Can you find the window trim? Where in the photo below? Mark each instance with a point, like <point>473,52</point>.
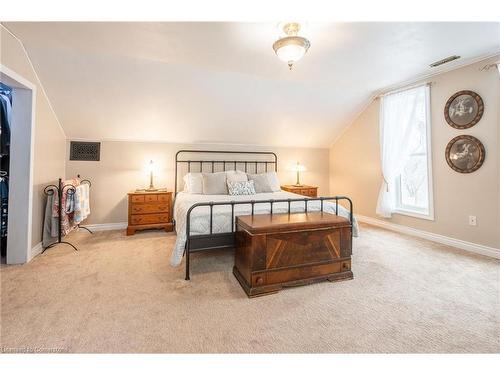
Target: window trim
<point>428,128</point>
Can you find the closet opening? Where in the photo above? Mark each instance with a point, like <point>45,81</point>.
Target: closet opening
<point>5,124</point>
<point>17,130</point>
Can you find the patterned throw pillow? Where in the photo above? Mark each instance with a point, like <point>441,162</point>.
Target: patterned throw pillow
<point>241,187</point>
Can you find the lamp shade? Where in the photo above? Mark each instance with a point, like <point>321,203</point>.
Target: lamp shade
<point>150,167</point>
<point>298,167</point>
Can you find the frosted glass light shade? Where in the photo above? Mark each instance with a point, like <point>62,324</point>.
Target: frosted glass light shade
<point>291,48</point>
<point>291,52</point>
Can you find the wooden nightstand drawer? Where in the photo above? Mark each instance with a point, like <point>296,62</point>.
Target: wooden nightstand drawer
<point>149,219</point>
<point>137,198</point>
<point>308,191</point>
<point>313,193</point>
<point>164,197</point>
<point>151,198</point>
<point>149,208</point>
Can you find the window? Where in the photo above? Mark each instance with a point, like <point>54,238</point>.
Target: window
<point>413,190</point>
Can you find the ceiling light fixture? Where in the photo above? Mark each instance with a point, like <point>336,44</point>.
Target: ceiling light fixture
<point>292,47</point>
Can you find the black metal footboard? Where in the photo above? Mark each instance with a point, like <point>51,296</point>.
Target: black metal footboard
<point>204,242</point>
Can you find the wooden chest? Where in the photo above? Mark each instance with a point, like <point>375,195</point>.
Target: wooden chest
<point>149,210</point>
<point>308,191</point>
<point>276,251</point>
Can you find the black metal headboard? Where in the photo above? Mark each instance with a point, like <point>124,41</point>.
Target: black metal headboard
<point>238,159</point>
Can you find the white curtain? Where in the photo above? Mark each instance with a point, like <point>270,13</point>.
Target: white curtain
<point>397,124</point>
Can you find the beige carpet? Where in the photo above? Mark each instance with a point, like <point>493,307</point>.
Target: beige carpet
<point>119,294</point>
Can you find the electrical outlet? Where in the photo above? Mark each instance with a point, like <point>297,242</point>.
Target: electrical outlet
<point>472,220</point>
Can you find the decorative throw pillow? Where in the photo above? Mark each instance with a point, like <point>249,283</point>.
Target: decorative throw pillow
<point>236,176</point>
<point>241,187</point>
<point>193,183</point>
<point>261,183</point>
<point>214,183</point>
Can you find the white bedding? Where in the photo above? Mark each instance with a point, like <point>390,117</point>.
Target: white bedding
<point>200,216</point>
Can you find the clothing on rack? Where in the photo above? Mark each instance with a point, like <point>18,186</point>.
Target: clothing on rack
<point>75,207</point>
<point>5,126</point>
<point>5,115</point>
<point>4,202</point>
<point>81,203</point>
<point>50,223</point>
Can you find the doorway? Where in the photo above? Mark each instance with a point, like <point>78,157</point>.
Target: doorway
<point>5,125</point>
<point>20,167</point>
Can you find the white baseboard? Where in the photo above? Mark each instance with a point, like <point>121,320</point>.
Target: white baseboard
<point>464,245</point>
<point>38,248</point>
<point>35,250</point>
<point>106,226</point>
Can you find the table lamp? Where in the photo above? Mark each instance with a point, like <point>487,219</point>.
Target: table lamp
<point>298,168</point>
<point>151,170</point>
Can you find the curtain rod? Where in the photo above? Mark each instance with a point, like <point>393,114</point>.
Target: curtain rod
<point>404,88</point>
<point>495,65</point>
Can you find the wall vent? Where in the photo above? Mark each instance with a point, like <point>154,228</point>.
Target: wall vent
<point>444,61</point>
<point>85,151</point>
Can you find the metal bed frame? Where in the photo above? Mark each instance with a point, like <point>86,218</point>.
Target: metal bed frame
<point>212,241</point>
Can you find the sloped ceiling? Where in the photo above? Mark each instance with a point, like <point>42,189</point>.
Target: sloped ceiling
<point>221,82</point>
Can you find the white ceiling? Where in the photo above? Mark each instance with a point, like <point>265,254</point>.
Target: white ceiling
<point>221,82</point>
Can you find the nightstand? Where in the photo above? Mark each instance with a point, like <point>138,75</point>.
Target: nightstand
<point>308,191</point>
<point>149,210</point>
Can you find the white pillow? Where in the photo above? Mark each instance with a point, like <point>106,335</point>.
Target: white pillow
<point>274,181</point>
<point>272,185</point>
<point>236,176</point>
<point>214,183</point>
<point>193,183</point>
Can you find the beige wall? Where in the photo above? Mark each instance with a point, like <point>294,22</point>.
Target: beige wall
<point>49,139</point>
<point>355,163</point>
<point>122,169</point>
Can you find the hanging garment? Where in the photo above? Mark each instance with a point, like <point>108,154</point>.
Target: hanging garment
<point>82,203</point>
<point>5,116</point>
<point>86,199</point>
<point>54,203</point>
<point>4,202</point>
<point>67,224</point>
<point>50,223</point>
<point>6,90</point>
<point>70,201</point>
<point>78,215</point>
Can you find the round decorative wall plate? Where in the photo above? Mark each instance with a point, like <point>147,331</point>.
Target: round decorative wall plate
<point>464,109</point>
<point>465,154</point>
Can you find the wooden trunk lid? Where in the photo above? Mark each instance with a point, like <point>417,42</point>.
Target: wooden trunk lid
<point>265,223</point>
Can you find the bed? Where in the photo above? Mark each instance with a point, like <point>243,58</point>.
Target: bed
<point>206,222</point>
